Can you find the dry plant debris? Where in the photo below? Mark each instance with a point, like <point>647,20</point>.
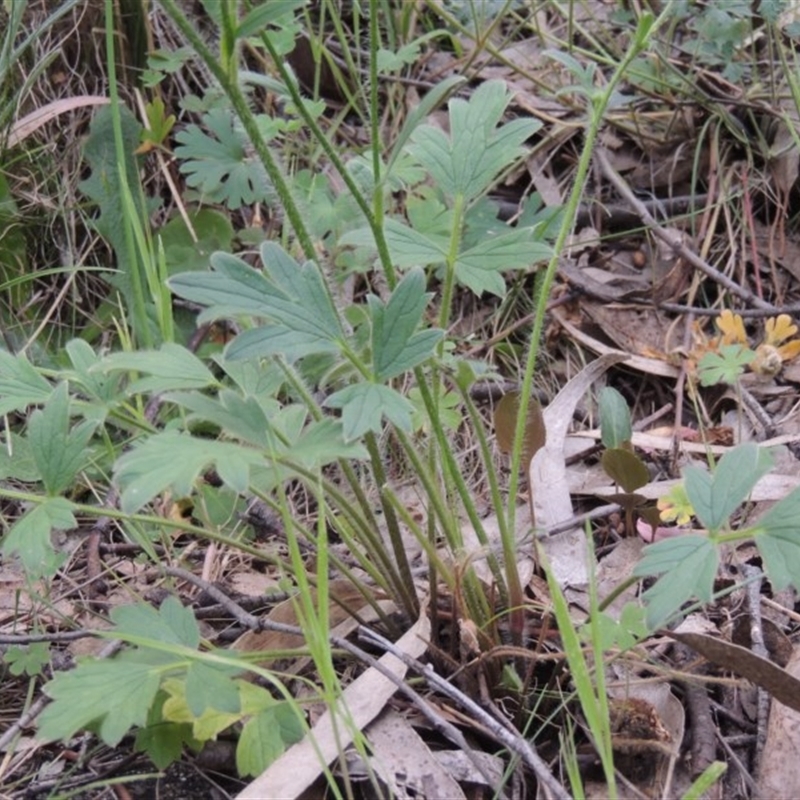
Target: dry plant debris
<point>678,287</point>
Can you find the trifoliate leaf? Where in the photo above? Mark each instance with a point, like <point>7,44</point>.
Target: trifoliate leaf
<point>687,565</point>
<point>778,541</point>
<point>716,496</point>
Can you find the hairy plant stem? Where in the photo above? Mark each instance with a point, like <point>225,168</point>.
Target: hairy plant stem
<point>405,582</point>
<point>599,103</point>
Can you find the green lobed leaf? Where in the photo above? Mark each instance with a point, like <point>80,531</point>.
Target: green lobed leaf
<point>164,741</point>
<point>716,496</point>
<point>242,417</point>
<point>478,268</point>
<point>171,623</point>
<point>778,540</point>
<point>726,366</point>
<point>687,565</point>
<point>171,367</point>
<point>16,459</point>
<point>20,384</point>
<point>408,247</point>
<point>395,346</point>
<point>268,13</point>
<point>234,287</point>
<point>117,693</point>
<point>468,160</point>
<point>309,307</point>
<point>295,300</point>
<point>84,362</point>
<point>270,340</point>
<point>265,736</point>
<point>30,660</point>
<point>29,537</point>
<point>365,404</point>
<point>59,453</point>
<point>172,460</point>
<point>211,687</point>
<point>220,163</point>
<point>615,418</point>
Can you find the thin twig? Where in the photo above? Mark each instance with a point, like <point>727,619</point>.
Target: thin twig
<point>674,241</point>
<point>248,620</point>
<point>746,313</point>
<point>504,733</point>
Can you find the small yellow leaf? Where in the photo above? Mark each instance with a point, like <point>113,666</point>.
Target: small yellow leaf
<point>732,327</point>
<point>789,350</point>
<point>675,505</point>
<point>779,329</point>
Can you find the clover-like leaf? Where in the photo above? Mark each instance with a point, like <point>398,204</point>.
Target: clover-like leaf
<point>687,565</point>
<point>726,366</point>
<point>716,496</point>
<point>778,540</point>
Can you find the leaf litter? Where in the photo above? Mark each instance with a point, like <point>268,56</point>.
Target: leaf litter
<point>640,341</point>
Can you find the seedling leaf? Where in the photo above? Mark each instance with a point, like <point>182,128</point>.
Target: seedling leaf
<point>615,418</point>
<point>625,468</point>
<point>505,425</point>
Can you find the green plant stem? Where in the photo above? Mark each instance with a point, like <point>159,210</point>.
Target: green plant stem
<point>405,586</point>
<point>336,160</point>
<point>141,324</point>
<point>450,265</point>
<point>480,609</point>
<point>248,120</point>
<point>599,104</point>
<point>509,553</point>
